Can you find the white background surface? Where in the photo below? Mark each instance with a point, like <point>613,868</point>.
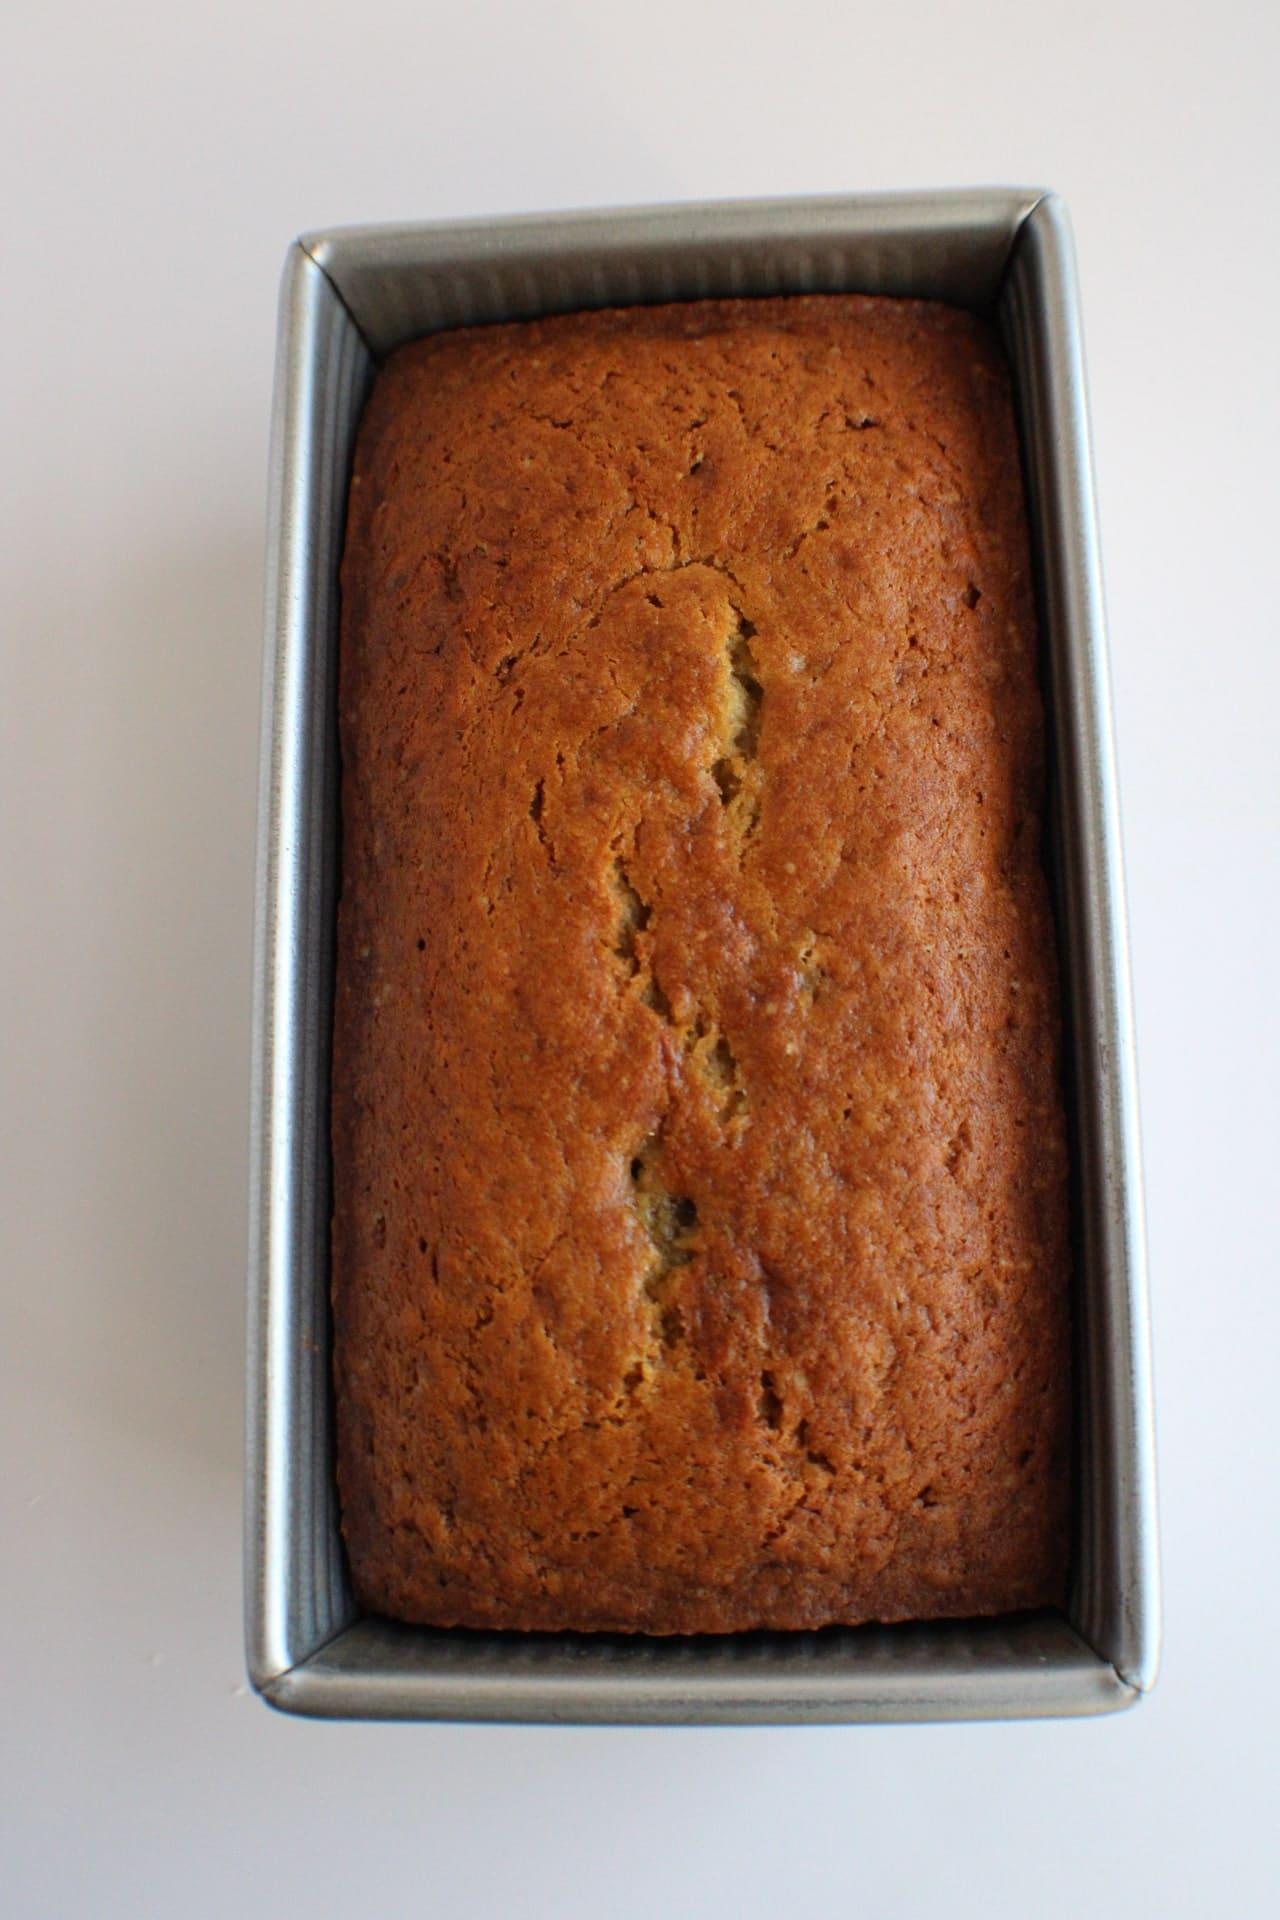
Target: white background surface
<point>157,158</point>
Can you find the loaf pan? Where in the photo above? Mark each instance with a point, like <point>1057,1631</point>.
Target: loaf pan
<point>349,298</point>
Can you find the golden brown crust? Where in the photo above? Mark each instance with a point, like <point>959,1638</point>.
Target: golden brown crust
<point>699,1237</point>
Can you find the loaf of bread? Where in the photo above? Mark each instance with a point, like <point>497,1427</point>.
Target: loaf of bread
<point>699,1245</point>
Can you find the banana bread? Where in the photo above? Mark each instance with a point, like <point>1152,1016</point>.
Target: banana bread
<point>699,1243</point>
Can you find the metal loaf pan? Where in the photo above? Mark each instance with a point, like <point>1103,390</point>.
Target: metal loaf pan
<point>348,298</point>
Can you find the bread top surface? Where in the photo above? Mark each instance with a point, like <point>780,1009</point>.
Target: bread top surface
<point>700,1255</point>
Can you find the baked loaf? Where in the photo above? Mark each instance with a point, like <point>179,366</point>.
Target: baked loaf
<point>700,1255</point>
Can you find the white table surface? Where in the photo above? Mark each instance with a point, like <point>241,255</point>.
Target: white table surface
<point>157,159</point>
